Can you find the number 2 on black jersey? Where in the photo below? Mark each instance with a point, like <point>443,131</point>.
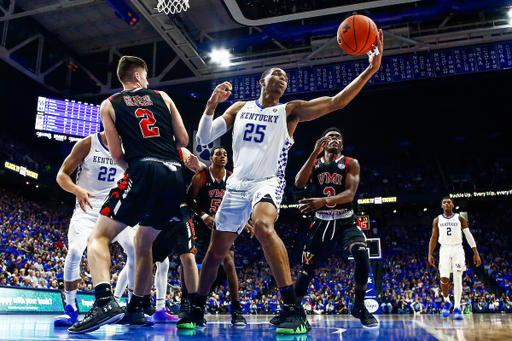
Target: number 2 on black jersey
<point>147,123</point>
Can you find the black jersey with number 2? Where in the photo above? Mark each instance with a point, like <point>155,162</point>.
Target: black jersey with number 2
<point>143,122</point>
<point>329,179</point>
<point>210,195</point>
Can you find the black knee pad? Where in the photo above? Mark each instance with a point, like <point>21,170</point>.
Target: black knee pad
<point>362,268</point>
<point>301,286</point>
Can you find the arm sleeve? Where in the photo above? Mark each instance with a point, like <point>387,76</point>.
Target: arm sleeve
<point>469,237</point>
<point>210,129</point>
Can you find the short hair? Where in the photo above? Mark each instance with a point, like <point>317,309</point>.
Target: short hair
<point>266,73</point>
<point>127,66</point>
<point>447,198</point>
<point>212,152</point>
<point>328,130</point>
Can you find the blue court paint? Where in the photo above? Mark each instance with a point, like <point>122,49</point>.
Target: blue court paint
<point>40,327</point>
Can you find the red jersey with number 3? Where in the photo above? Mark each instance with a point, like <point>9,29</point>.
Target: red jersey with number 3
<point>143,122</point>
<point>329,179</point>
<point>210,195</point>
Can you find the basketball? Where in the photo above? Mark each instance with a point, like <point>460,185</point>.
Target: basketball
<point>357,34</point>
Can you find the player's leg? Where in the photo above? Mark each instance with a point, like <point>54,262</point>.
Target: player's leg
<point>126,276</point>
<point>312,257</point>
<point>445,268</point>
<point>161,315</point>
<point>122,283</point>
<point>220,243</point>
<point>98,256</point>
<point>361,272</point>
<point>237,318</point>
<point>264,215</point>
<point>189,279</point>
<point>143,267</point>
<point>353,241</point>
<point>76,246</point>
<point>458,266</point>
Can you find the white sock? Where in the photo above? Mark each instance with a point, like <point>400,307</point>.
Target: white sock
<point>457,288</point>
<point>160,303</point>
<point>162,270</point>
<point>71,298</point>
<point>447,298</point>
<point>130,294</point>
<point>122,282</point>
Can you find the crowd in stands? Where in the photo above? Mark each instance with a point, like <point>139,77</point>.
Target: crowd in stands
<point>33,248</point>
<point>20,154</point>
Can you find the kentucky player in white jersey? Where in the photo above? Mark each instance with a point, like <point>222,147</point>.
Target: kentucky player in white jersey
<point>448,228</point>
<point>97,174</point>
<point>262,136</point>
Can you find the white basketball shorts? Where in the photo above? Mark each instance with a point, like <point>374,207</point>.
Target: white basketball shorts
<point>451,258</point>
<point>240,198</point>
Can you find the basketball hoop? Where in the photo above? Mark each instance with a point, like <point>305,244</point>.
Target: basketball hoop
<point>172,6</point>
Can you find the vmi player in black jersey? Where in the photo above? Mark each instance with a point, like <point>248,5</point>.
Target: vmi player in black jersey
<point>204,197</point>
<point>149,194</point>
<point>335,178</point>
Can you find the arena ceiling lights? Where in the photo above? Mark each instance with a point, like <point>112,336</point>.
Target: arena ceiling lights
<point>242,10</point>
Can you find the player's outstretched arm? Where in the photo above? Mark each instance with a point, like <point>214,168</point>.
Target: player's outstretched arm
<point>433,242</point>
<point>78,154</point>
<point>351,184</point>
<point>210,129</point>
<point>180,133</point>
<point>191,161</point>
<point>310,110</point>
<point>108,117</point>
<point>470,239</point>
<point>303,176</point>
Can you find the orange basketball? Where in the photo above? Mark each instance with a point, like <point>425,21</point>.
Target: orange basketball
<point>357,34</point>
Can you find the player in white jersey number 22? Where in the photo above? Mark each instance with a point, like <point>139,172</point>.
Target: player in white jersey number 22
<point>262,136</point>
<point>96,175</point>
<point>448,228</point>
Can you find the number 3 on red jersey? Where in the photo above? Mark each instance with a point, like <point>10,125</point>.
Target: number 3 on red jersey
<point>147,123</point>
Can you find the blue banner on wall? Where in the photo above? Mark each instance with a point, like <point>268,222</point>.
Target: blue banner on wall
<point>371,301</point>
<point>422,65</point>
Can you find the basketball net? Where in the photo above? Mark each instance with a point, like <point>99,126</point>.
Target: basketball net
<point>172,6</point>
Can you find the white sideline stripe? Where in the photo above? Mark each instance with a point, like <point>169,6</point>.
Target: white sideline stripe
<point>434,332</point>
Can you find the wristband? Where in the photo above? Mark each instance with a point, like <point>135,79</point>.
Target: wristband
<point>204,216</point>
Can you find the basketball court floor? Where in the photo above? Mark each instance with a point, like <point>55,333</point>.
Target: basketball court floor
<point>487,327</point>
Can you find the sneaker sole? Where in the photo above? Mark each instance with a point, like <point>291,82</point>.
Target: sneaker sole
<point>239,324</point>
<point>113,319</point>
<point>298,331</point>
<point>372,326</point>
<point>445,314</point>
<point>190,325</point>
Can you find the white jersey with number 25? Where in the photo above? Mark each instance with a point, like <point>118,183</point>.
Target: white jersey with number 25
<point>450,230</point>
<point>260,141</point>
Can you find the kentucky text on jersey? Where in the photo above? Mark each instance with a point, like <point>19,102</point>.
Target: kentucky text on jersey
<point>103,160</point>
<point>330,178</point>
<point>137,101</point>
<point>448,224</point>
<point>259,117</point>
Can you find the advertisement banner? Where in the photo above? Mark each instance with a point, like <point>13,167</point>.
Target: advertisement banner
<point>30,300</point>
